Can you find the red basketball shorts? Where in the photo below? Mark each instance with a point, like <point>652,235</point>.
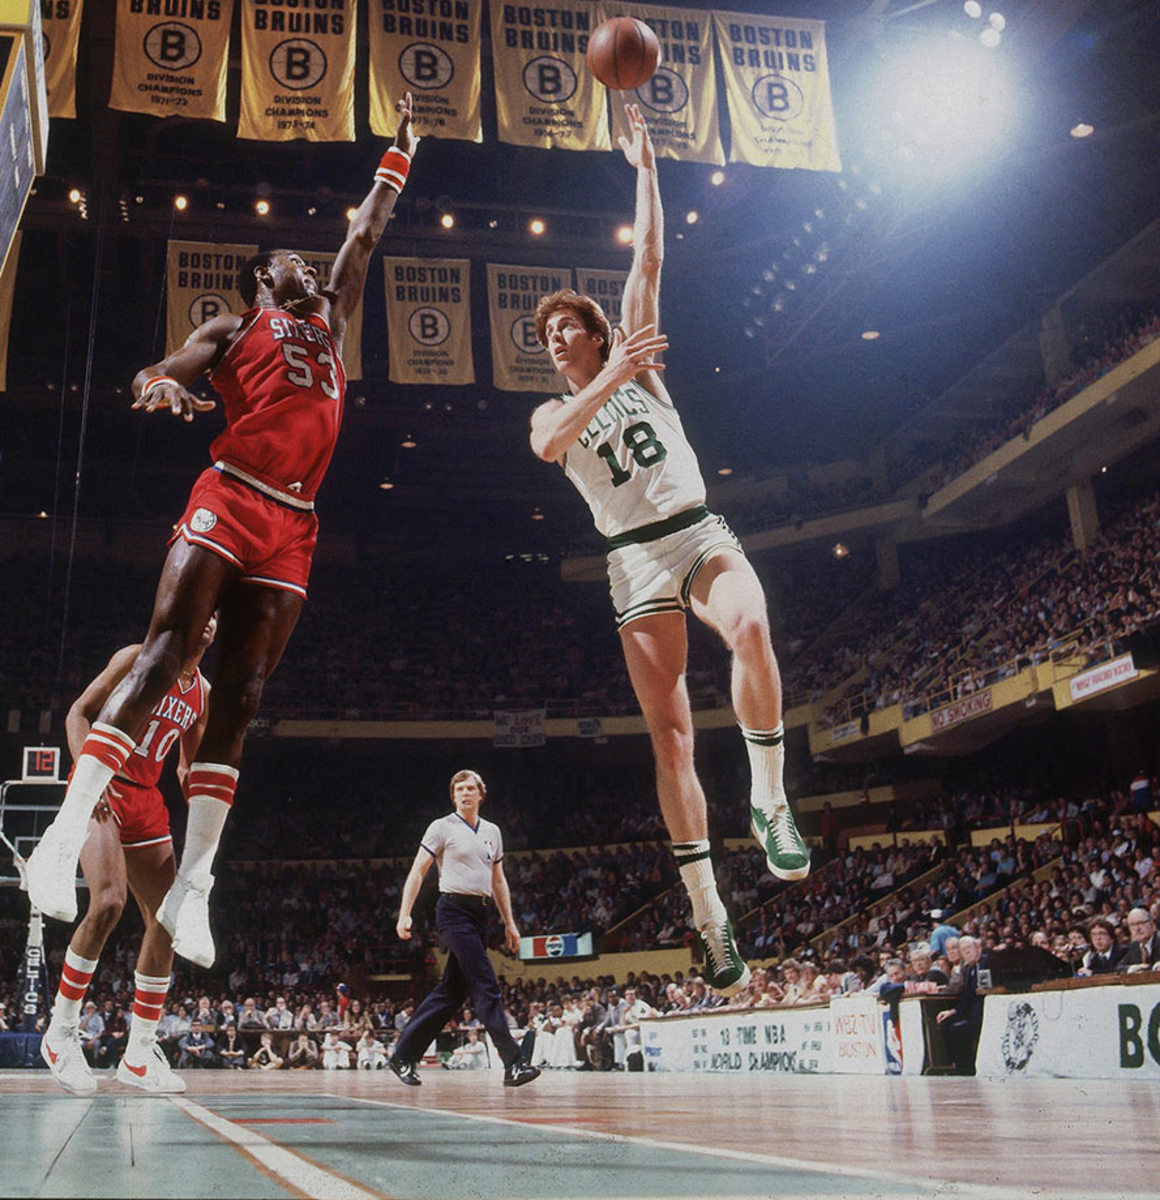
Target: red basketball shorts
<point>271,543</point>
<point>139,811</point>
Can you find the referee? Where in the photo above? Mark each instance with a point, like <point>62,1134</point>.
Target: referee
<point>469,852</point>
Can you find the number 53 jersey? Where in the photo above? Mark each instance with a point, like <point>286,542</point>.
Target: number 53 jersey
<point>282,386</point>
<point>633,464</point>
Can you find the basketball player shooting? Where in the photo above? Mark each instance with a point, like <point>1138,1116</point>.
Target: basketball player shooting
<point>243,545</point>
<point>621,443</point>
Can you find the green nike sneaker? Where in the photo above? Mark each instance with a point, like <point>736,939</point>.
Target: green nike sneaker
<point>785,852</point>
<point>725,970</point>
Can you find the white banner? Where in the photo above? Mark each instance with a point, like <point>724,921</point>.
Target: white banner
<point>605,287</point>
<point>515,730</point>
<point>785,1041</point>
<point>859,1034</point>
<point>1108,1032</point>
<point>1100,679</point>
<point>518,362</point>
<point>201,283</point>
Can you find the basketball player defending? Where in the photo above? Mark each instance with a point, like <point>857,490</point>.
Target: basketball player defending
<point>128,848</point>
<point>619,439</point>
<point>243,546</point>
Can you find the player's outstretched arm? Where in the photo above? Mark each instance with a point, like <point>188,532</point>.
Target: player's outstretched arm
<point>165,384</point>
<point>642,289</point>
<point>367,226</point>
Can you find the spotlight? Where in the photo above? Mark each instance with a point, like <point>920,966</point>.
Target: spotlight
<point>692,216</point>
<point>717,178</point>
<point>841,550</point>
<point>351,213</point>
<point>386,485</point>
<point>447,220</point>
<point>74,195</point>
<point>312,211</point>
<point>870,335</point>
<point>1082,130</point>
<point>181,203</point>
<point>537,515</point>
<point>408,443</point>
<point>493,224</point>
<point>536,227</point>
<point>624,235</point>
<point>724,471</point>
<point>262,207</point>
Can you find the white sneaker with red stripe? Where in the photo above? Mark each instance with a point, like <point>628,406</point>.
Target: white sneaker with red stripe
<point>61,1049</point>
<point>184,914</point>
<point>51,873</point>
<point>153,1075</point>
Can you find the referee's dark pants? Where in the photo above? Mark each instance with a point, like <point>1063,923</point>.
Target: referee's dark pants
<point>462,923</point>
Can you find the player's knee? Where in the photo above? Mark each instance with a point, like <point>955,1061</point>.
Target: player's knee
<point>749,637</point>
<point>673,747</point>
<point>105,908</point>
<point>242,698</point>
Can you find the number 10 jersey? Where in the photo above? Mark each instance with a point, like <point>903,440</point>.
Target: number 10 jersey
<point>633,464</point>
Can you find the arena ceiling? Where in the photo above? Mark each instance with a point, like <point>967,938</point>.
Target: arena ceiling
<point>944,256</point>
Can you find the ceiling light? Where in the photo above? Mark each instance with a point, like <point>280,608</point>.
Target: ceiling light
<point>624,235</point>
<point>386,485</point>
<point>537,515</point>
<point>717,178</point>
<point>973,9</point>
<point>408,443</point>
<point>536,227</point>
<point>870,335</point>
<point>447,220</point>
<point>262,207</point>
<point>181,203</point>
<point>840,550</point>
<point>1082,129</point>
<point>74,195</point>
<point>692,216</point>
<point>724,470</point>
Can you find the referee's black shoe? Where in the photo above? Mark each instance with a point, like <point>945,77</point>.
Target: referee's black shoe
<point>407,1072</point>
<point>519,1073</point>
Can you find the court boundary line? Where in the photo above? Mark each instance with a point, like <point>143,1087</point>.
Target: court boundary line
<point>300,1174</point>
<point>960,1189</point>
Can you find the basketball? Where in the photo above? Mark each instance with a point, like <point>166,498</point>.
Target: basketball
<point>623,53</point>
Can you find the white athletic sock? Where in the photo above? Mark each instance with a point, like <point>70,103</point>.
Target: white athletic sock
<point>766,750</point>
<point>148,1004</point>
<point>696,868</point>
<point>211,794</point>
<point>75,977</point>
<point>103,754</point>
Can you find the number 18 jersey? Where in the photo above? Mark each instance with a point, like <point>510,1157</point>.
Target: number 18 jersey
<point>633,464</point>
<point>282,386</point>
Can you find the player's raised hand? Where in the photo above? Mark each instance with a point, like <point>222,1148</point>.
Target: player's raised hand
<point>163,392</point>
<point>634,352</point>
<point>406,138</point>
<point>638,148</point>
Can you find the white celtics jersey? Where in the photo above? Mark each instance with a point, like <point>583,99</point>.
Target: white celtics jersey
<point>633,464</point>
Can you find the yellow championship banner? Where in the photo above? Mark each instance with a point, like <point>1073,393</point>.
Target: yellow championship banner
<point>518,362</point>
<point>545,96</point>
<point>429,48</point>
<point>298,70</point>
<point>61,23</point>
<point>679,102</point>
<point>605,287</point>
<point>323,262</point>
<point>429,319</point>
<point>201,283</point>
<point>777,84</point>
<point>7,292</point>
<point>170,60</point>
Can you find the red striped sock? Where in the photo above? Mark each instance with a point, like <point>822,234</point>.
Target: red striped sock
<point>148,1005</point>
<point>102,755</point>
<point>210,789</point>
<point>108,745</point>
<point>75,977</point>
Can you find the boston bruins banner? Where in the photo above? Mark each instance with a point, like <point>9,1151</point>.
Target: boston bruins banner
<point>518,362</point>
<point>61,25</point>
<point>298,70</point>
<point>679,102</point>
<point>545,95</point>
<point>201,282</point>
<point>172,67</point>
<point>605,287</point>
<point>7,291</point>
<point>323,263</point>
<point>777,83</point>
<point>429,48</point>
<point>429,319</point>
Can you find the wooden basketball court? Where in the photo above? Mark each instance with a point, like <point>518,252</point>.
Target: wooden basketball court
<point>352,1135</point>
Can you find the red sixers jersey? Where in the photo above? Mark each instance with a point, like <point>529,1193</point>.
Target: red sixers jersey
<point>282,385</point>
<point>176,714</point>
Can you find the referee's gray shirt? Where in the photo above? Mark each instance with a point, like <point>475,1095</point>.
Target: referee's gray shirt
<point>465,854</point>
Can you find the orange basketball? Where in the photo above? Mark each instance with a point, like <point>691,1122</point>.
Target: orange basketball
<point>623,53</point>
